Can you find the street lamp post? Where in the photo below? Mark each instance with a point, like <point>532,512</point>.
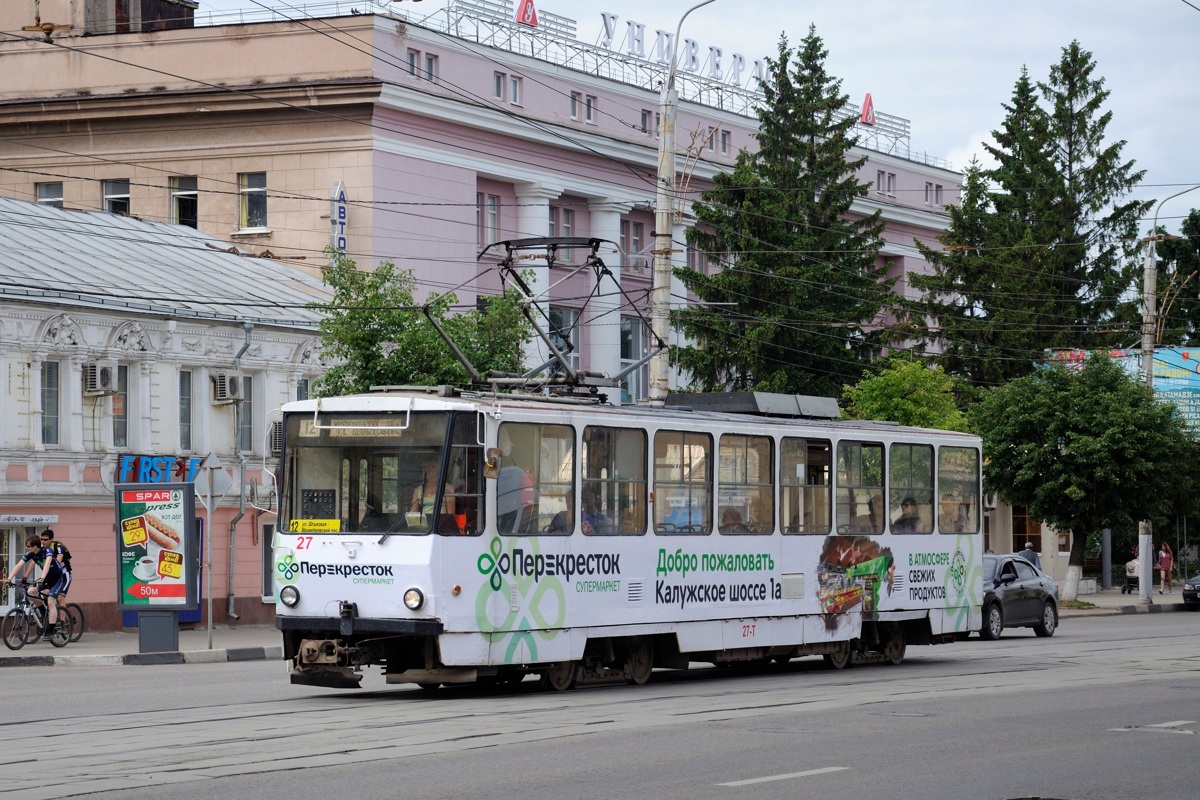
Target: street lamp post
<point>664,221</point>
<point>1149,325</point>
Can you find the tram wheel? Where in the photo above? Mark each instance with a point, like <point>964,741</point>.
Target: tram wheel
<point>839,658</point>
<point>894,650</point>
<point>559,676</point>
<point>640,662</point>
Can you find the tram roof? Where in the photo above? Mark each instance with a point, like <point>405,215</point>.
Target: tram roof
<point>383,400</point>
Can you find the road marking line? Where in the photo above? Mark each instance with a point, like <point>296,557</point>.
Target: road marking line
<point>1171,724</point>
<point>789,776</point>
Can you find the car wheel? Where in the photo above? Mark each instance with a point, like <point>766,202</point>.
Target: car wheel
<point>993,622</point>
<point>1049,621</point>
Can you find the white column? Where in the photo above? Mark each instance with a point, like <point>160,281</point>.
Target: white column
<point>603,317</point>
<point>71,404</point>
<point>533,219</point>
<point>139,426</point>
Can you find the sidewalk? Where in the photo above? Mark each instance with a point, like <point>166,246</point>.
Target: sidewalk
<point>262,642</point>
<point>241,643</point>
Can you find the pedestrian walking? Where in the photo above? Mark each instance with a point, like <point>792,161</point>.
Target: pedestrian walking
<point>1166,561</point>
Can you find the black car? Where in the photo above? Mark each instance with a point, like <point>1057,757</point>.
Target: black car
<point>1016,594</point>
<point>1191,592</point>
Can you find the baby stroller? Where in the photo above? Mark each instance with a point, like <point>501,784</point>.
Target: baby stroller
<point>1131,577</point>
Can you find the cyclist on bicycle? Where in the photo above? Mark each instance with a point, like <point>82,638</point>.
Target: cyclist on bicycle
<point>58,552</point>
<point>55,579</point>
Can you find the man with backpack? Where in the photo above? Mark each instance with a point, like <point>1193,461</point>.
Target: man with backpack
<point>56,576</point>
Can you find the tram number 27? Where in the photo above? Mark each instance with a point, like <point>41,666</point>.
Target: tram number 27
<point>747,631</point>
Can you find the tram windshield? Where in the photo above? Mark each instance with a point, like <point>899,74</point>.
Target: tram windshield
<point>398,473</point>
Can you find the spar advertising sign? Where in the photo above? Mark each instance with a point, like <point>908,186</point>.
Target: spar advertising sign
<point>157,547</point>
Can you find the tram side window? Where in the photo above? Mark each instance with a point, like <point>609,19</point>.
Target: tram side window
<point>682,483</point>
<point>958,488</point>
<point>805,485</point>
<point>464,476</point>
<point>745,489</point>
<point>614,481</point>
<point>860,508</point>
<point>537,477</point>
<point>910,488</point>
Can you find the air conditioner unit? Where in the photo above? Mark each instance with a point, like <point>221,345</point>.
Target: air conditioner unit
<point>99,378</point>
<point>276,443</point>
<point>228,388</point>
<point>989,500</point>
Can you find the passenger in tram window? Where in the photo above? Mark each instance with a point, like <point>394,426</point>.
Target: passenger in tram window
<point>586,523</point>
<point>600,521</point>
<point>908,521</point>
<point>731,521</point>
<point>954,516</point>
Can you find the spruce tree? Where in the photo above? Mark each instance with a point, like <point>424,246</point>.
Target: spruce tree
<point>799,292</point>
<point>1049,256</point>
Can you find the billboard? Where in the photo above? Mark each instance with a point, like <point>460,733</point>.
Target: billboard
<point>1176,376</point>
<point>157,547</point>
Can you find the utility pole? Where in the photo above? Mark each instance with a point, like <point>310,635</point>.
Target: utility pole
<point>1149,325</point>
<point>664,222</point>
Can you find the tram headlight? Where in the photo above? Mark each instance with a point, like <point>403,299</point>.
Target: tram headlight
<point>289,596</point>
<point>414,599</point>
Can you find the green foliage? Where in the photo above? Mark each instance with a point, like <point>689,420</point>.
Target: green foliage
<point>376,335</point>
<point>909,393</point>
<point>1086,450</point>
<point>1042,253</point>
<point>799,284</point>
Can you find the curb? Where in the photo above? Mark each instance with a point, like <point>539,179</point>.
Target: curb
<point>149,659</point>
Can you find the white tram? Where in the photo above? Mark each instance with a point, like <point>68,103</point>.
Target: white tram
<point>451,537</point>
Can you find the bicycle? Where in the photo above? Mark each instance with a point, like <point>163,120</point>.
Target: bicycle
<point>73,610</point>
<point>27,622</point>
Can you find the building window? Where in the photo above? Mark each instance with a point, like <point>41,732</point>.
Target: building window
<point>562,223</point>
<point>724,143</point>
<point>51,391</point>
<point>564,332</point>
<point>252,200</point>
<point>120,408</point>
<point>631,244</point>
<point>431,67</point>
<point>647,120</point>
<point>116,196</point>
<point>576,104</point>
<point>589,109</point>
<point>633,348</point>
<point>302,389</point>
<point>711,143</point>
<point>414,61</point>
<point>487,218</point>
<point>928,194</point>
<point>880,181</point>
<point>891,184</point>
<point>514,90</point>
<point>185,202</point>
<point>246,416</point>
<point>49,194</point>
<point>499,80</point>
<point>657,123</point>
<point>937,194</point>
<point>1025,529</point>
<point>185,410</point>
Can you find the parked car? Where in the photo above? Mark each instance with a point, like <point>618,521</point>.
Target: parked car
<point>1191,592</point>
<point>1016,594</point>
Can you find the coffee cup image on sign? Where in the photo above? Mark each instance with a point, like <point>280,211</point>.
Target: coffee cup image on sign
<point>146,569</point>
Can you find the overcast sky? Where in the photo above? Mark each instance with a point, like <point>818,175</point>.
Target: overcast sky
<point>948,65</point>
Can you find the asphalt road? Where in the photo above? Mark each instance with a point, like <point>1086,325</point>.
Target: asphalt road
<point>1108,708</point>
